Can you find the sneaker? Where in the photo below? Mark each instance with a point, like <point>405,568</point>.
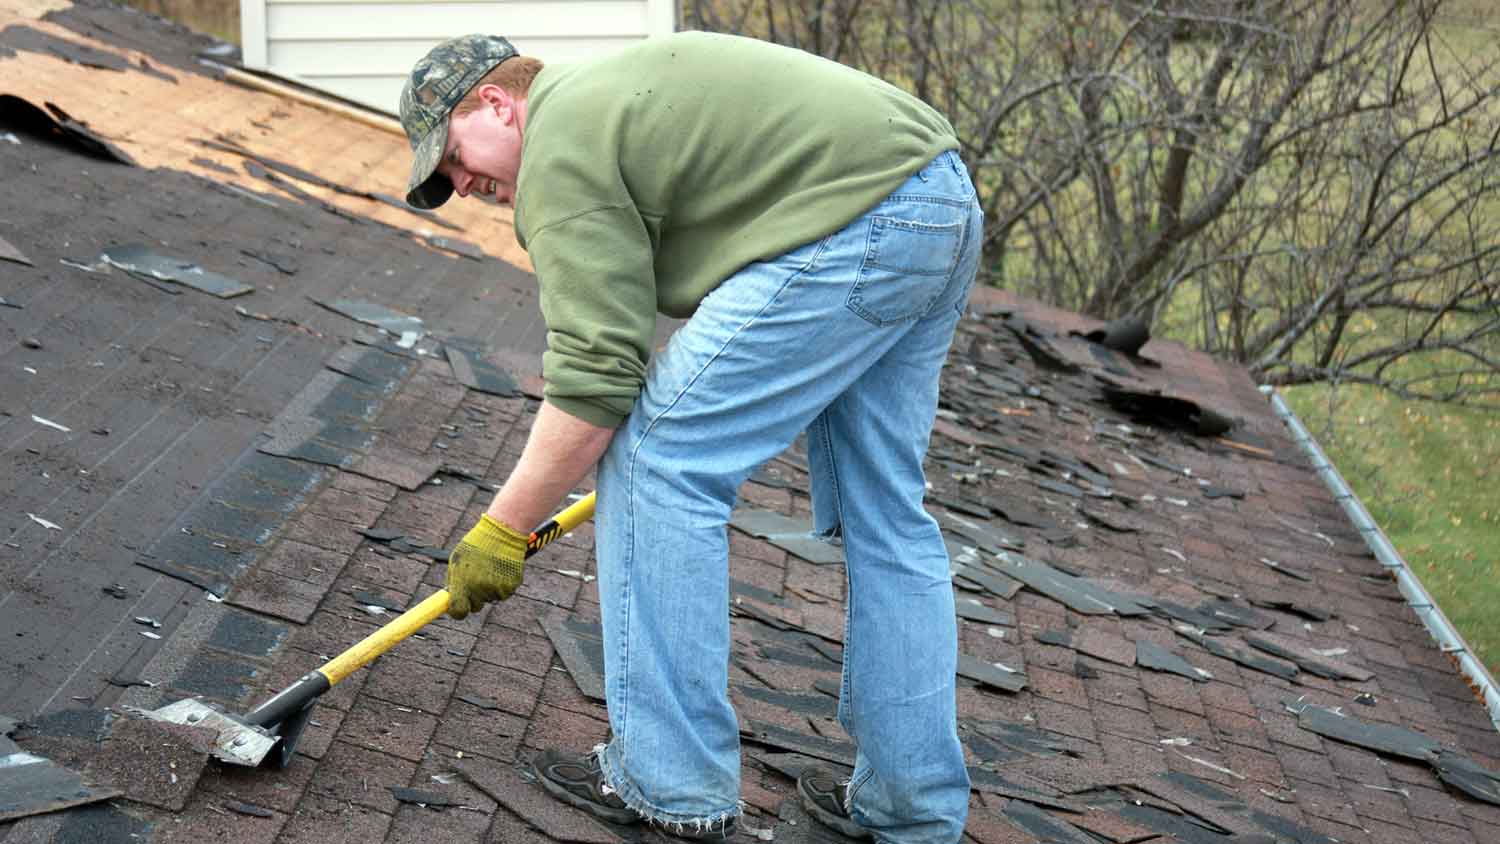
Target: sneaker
<point>578,780</point>
<point>823,798</point>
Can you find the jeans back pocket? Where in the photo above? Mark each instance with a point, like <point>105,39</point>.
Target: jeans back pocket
<point>907,266</point>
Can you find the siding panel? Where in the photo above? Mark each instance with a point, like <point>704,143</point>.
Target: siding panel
<point>363,49</point>
<point>335,21</point>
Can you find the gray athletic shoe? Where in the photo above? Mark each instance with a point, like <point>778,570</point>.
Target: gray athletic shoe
<point>577,779</point>
<point>823,798</point>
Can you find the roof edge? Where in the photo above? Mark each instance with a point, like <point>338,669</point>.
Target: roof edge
<point>1449,640</point>
<point>291,89</point>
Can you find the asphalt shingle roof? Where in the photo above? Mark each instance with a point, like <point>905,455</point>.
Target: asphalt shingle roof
<point>1155,620</point>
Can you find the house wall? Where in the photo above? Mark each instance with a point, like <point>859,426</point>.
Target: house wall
<point>363,49</point>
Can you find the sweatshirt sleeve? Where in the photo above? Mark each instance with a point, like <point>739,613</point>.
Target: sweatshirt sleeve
<point>598,296</point>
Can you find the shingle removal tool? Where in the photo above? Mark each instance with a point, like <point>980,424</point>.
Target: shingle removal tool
<point>277,724</point>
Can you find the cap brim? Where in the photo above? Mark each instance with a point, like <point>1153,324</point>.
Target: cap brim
<point>428,188</point>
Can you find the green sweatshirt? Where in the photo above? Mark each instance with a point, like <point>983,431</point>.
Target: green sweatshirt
<point>652,174</point>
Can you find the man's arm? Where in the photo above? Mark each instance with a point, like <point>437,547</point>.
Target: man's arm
<point>559,452</point>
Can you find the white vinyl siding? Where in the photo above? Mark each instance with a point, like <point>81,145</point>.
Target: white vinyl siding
<point>362,50</point>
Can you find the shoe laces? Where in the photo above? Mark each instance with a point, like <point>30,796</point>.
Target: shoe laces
<point>596,765</point>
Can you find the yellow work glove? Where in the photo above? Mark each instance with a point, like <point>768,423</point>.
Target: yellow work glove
<point>486,566</point>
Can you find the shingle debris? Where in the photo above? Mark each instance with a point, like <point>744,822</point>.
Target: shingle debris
<point>144,263</point>
<point>1452,767</point>
<point>58,127</point>
<point>794,536</point>
<point>8,252</point>
<point>580,644</point>
<point>474,371</point>
<point>400,325</point>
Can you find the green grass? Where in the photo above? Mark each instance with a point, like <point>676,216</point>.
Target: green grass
<point>1430,476</point>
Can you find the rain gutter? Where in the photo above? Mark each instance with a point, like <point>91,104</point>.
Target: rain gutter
<point>1417,597</point>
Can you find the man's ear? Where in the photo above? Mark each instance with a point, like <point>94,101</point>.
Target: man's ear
<point>497,98</point>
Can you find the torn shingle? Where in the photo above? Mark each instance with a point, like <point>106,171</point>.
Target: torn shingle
<point>989,782</point>
<point>964,506</point>
<point>1290,571</point>
<point>1168,411</point>
<point>1453,768</point>
<point>1078,594</point>
<point>34,785</point>
<point>811,706</point>
<point>1463,774</point>
<point>818,747</point>
<point>299,438</point>
<point>1103,645</point>
<point>788,764</point>
<point>57,128</point>
<point>1240,656</point>
<point>1186,615</point>
<point>984,535</point>
<point>749,609</point>
<point>1306,660</point>
<point>142,262</point>
<point>794,536</point>
<point>1105,521</point>
<point>429,799</point>
<point>1027,740</point>
<point>8,252</point>
<point>770,476</point>
<point>1203,800</point>
<point>1044,825</point>
<point>370,313</point>
<point>1295,606</point>
<point>396,464</point>
<point>1125,335</point>
<point>474,371</point>
<point>990,674</point>
<point>279,263</point>
<point>1237,615</point>
<point>456,246</point>
<point>1158,658</point>
<point>581,647</point>
<point>1385,738</point>
<point>1038,345</point>
<point>975,610</point>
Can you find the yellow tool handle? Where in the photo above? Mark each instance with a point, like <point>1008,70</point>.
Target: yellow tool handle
<point>436,604</point>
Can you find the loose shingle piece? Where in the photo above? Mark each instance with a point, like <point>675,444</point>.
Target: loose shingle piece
<point>34,785</point>
<point>9,252</point>
<point>794,536</point>
<point>581,646</point>
<point>992,674</point>
<point>143,262</point>
<point>1158,658</point>
<point>1077,593</point>
<point>1453,768</point>
<point>474,371</point>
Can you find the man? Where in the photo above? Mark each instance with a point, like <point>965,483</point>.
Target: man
<point>820,233</point>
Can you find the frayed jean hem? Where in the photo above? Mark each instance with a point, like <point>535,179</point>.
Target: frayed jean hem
<point>616,779</point>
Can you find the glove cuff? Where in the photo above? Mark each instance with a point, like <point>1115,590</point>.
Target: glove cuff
<point>495,539</point>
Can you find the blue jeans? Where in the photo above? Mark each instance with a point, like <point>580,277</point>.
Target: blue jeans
<point>844,338</point>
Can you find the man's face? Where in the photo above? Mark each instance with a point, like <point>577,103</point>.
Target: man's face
<point>483,155</point>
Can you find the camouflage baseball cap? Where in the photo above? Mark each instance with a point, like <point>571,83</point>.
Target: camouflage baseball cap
<point>437,83</point>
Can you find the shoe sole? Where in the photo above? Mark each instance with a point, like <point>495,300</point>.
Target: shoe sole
<point>838,823</point>
<point>619,816</point>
